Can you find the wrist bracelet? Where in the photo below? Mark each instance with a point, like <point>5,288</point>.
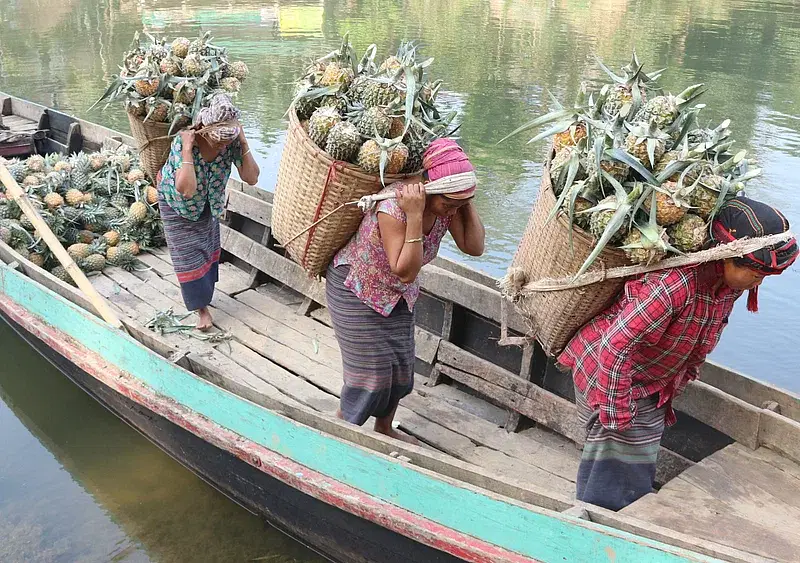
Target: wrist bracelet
<point>187,162</point>
<point>413,240</point>
<point>245,154</point>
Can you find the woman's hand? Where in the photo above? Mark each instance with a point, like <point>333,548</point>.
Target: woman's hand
<point>411,199</point>
<point>467,230</point>
<point>248,171</point>
<point>187,139</point>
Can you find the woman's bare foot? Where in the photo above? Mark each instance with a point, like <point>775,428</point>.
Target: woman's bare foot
<point>392,433</point>
<point>204,323</point>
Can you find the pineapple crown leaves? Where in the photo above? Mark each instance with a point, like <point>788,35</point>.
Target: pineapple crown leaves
<point>633,74</point>
<point>367,63</point>
<point>651,135</point>
<point>653,235</point>
<point>578,189</point>
<point>622,208</point>
<point>571,172</point>
<point>562,117</point>
<point>345,54</point>
<point>386,146</point>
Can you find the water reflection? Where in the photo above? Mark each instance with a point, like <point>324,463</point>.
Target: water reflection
<point>76,484</point>
<point>498,59</point>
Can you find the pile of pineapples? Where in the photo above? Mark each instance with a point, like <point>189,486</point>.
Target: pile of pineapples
<point>99,205</point>
<point>634,167</point>
<point>167,82</point>
<point>380,117</point>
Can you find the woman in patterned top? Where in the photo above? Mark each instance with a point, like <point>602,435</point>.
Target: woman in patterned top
<point>372,285</point>
<point>631,361</point>
<point>191,198</point>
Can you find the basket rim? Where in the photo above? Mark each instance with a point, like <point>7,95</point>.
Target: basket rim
<point>148,124</point>
<point>342,165</point>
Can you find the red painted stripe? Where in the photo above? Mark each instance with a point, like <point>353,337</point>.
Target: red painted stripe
<point>310,482</point>
<point>193,275</point>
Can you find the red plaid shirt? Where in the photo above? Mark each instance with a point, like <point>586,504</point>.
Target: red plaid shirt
<point>652,340</point>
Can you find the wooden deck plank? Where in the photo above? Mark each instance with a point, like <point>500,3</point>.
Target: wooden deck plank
<point>734,497</point>
<point>232,280</point>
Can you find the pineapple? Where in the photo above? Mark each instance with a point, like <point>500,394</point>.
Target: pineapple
<point>336,102</point>
<point>122,161</point>
<point>111,255</point>
<point>640,249</point>
<point>88,197</point>
<point>689,234</point>
<point>705,194</point>
<point>559,168</point>
<point>600,219</point>
<point>337,74</point>
<point>18,171</point>
<point>135,175</point>
<point>5,234</point>
<point>671,205</point>
<point>119,200</point>
<point>171,66</point>
<point>30,182</point>
<point>81,166</point>
<point>397,128</point>
<point>78,251</point>
<point>180,47</point>
<point>343,142</point>
<point>63,166</point>
<point>369,157</point>
<point>239,70</point>
<point>618,170</point>
<point>93,263</point>
<point>380,93</point>
<point>112,238</point>
<point>71,215</point>
<point>358,88</point>
<point>184,93</point>
<point>146,86</point>
<point>53,200</point>
<point>74,197</point>
<point>668,158</point>
<point>129,248</point>
<point>200,45</point>
<point>10,210</point>
<point>194,65</point>
<point>62,274</point>
<point>97,161</point>
<point>390,66</point>
<point>85,237</point>
<point>582,204</point>
<point>22,250</point>
<point>373,121</point>
<point>137,212</point>
<point>398,156</point>
<point>37,259</point>
<point>321,123</point>
<point>157,111</point>
<point>569,137</point>
<point>231,84</point>
<point>664,110</point>
<point>36,163</point>
<point>26,223</point>
<point>305,106</point>
<point>123,260</point>
<point>417,142</point>
<point>642,140</point>
<point>151,195</point>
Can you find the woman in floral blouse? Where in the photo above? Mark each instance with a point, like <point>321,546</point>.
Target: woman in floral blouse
<point>372,285</point>
<point>191,198</point>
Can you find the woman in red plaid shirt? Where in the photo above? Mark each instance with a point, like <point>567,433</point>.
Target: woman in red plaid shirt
<point>631,361</point>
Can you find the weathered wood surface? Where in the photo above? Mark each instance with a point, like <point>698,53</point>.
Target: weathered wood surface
<point>746,499</point>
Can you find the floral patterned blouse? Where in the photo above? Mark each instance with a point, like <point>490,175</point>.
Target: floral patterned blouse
<point>371,278</point>
<point>212,177</point>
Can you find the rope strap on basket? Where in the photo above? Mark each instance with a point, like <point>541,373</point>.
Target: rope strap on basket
<point>513,285</point>
<point>447,185</point>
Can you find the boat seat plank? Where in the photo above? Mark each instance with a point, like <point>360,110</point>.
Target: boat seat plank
<point>738,497</point>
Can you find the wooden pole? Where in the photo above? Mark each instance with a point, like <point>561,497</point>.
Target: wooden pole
<point>19,196</point>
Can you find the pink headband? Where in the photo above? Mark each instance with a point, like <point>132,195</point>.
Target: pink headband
<point>445,158</point>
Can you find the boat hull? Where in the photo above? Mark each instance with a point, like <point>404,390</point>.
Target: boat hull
<point>334,533</point>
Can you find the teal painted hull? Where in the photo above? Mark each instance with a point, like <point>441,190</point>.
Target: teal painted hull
<point>453,517</point>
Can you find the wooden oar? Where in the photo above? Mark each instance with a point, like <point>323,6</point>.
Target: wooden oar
<point>19,196</point>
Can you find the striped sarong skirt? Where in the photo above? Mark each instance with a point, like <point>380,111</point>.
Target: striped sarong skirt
<point>194,247</point>
<point>618,468</point>
<point>377,352</point>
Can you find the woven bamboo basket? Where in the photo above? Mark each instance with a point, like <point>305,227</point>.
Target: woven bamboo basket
<point>310,185</point>
<point>153,143</point>
<point>544,252</point>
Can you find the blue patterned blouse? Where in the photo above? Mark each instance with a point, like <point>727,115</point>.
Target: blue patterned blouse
<point>212,177</point>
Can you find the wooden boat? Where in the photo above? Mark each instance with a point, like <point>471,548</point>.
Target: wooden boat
<point>494,480</point>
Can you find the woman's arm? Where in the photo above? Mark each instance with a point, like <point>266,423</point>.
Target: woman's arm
<point>467,230</point>
<point>402,242</point>
<point>248,169</point>
<point>185,178</point>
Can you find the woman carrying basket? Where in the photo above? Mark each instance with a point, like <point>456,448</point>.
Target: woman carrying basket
<point>631,361</point>
<point>372,284</point>
<point>191,198</point>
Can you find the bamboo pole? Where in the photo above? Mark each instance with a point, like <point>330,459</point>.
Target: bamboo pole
<point>21,198</point>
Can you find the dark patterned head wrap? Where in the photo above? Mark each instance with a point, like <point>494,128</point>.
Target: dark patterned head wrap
<point>746,218</point>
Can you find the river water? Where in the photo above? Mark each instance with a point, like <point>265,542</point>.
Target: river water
<point>498,58</point>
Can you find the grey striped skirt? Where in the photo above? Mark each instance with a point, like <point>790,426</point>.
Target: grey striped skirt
<point>618,468</point>
<point>377,352</point>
